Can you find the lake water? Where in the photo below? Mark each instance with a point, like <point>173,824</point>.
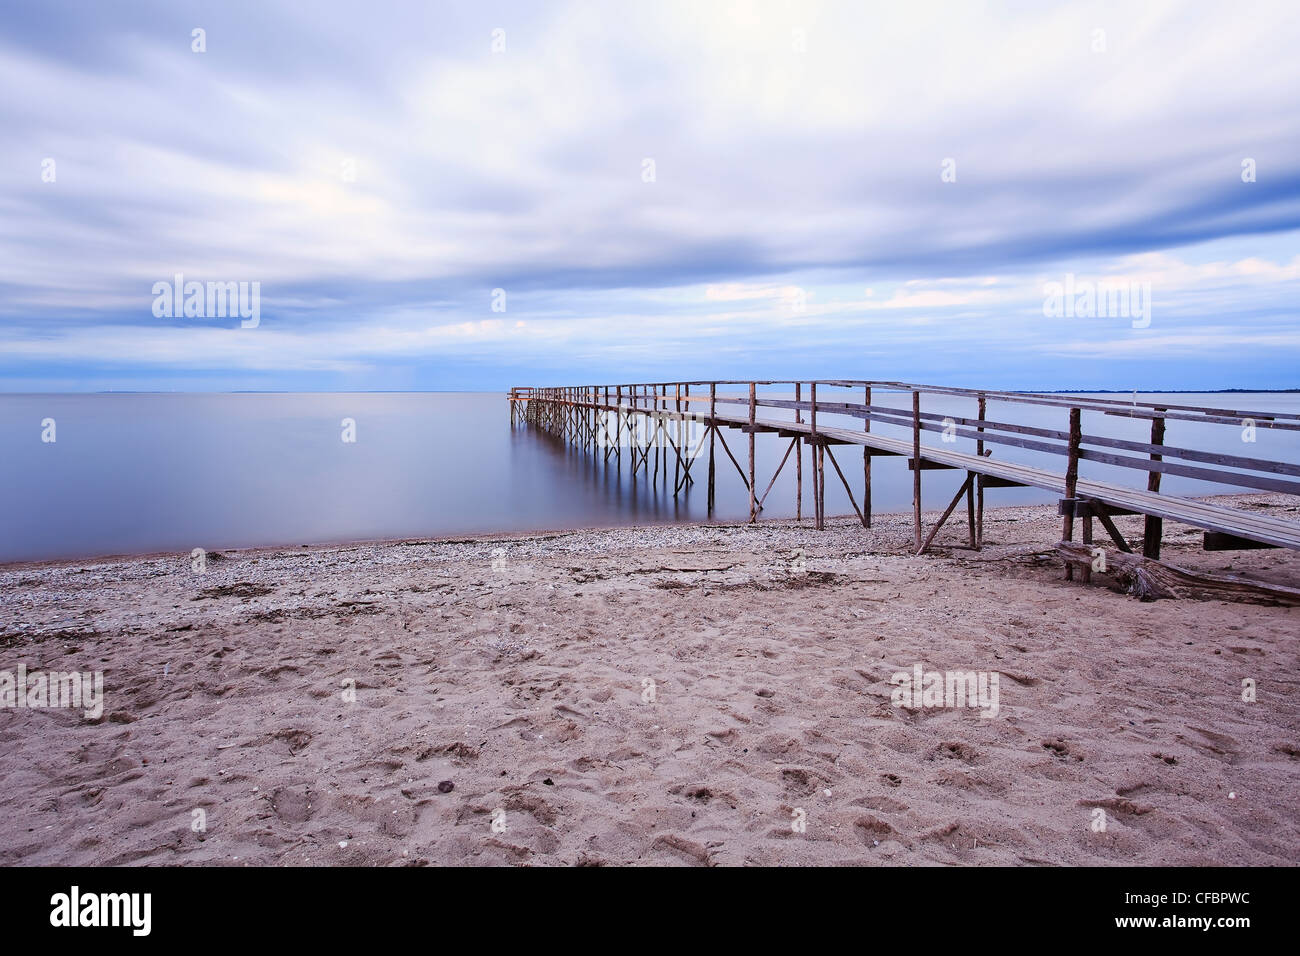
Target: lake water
<point>135,473</point>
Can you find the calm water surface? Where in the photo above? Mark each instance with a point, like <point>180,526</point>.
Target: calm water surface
<point>134,473</point>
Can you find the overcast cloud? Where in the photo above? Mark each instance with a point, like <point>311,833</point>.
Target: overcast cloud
<point>380,169</point>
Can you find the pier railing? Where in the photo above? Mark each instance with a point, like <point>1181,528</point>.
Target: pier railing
<point>646,416</point>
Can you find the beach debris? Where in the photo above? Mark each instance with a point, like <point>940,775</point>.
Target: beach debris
<point>1149,580</point>
<point>446,786</point>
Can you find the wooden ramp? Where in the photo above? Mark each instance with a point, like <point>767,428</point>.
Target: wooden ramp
<point>1189,511</point>
<point>642,417</point>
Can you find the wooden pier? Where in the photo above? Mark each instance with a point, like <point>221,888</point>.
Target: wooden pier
<point>645,419</point>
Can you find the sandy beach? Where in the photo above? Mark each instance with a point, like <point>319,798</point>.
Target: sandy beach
<point>694,695</point>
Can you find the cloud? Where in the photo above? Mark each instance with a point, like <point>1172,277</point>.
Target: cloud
<point>380,172</point>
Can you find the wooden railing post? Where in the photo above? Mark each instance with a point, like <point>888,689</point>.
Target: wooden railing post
<point>798,457</point>
<point>1071,482</point>
<point>713,434</point>
<point>618,425</point>
<point>916,466</point>
<point>817,459</point>
<point>677,454</point>
<point>979,492</point>
<point>575,415</point>
<point>753,410</point>
<point>1153,528</point>
<point>866,462</point>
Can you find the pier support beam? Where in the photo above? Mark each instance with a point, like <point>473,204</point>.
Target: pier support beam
<point>952,505</point>
<point>713,434</point>
<point>979,489</point>
<point>866,463</point>
<point>916,471</point>
<point>1153,529</point>
<point>1071,482</point>
<point>798,458</point>
<point>818,461</point>
<point>753,410</point>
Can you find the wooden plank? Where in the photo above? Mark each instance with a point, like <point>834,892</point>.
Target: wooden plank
<point>1083,507</point>
<point>1030,476</point>
<point>1115,406</point>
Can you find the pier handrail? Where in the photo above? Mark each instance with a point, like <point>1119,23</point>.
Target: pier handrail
<point>1154,457</point>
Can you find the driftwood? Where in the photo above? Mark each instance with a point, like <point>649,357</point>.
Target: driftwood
<point>1150,580</point>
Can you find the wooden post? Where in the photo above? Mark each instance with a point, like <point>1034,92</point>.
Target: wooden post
<point>654,408</point>
<point>653,395</point>
<point>1087,543</point>
<point>979,491</point>
<point>916,465</point>
<point>687,465</point>
<point>713,434</point>
<point>1154,527</point>
<point>817,461</point>
<point>753,410</point>
<point>636,421</point>
<point>971,478</point>
<point>1071,481</point>
<point>798,459</point>
<point>677,465</point>
<point>821,485</point>
<point>866,464</point>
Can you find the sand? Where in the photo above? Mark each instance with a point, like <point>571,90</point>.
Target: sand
<point>516,672</point>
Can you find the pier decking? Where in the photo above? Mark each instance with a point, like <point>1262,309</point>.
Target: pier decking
<point>641,417</point>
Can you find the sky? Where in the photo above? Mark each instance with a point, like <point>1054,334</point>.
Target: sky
<point>475,195</point>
